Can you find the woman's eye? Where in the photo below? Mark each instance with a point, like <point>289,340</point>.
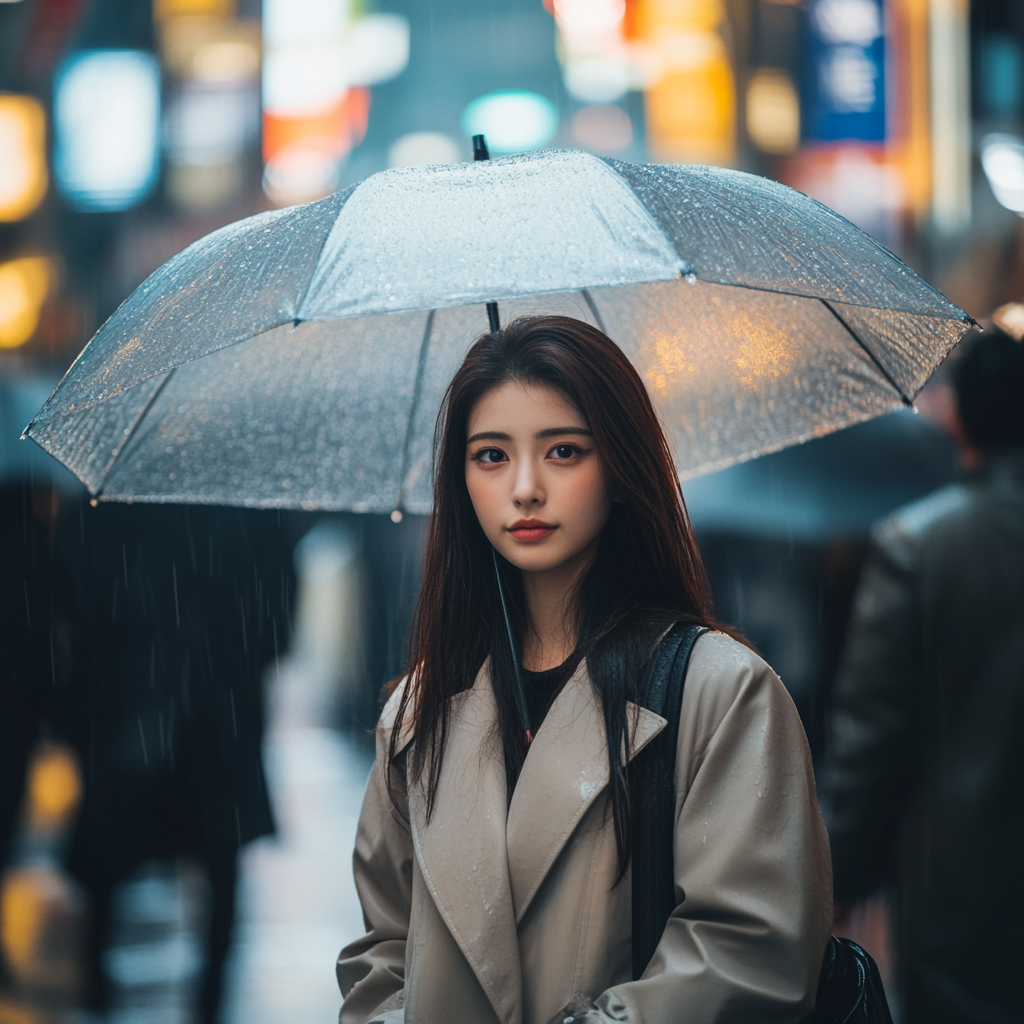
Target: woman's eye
<point>564,451</point>
<point>490,455</point>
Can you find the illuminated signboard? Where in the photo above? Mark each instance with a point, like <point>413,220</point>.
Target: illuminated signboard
<point>845,77</point>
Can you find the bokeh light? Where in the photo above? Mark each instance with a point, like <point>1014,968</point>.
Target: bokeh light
<point>318,64</point>
<point>212,110</point>
<point>377,48</point>
<point>773,111</point>
<point>420,148</point>
<point>54,786</point>
<point>106,123</point>
<point>1002,158</point>
<point>24,284</point>
<point>514,121</point>
<point>602,128</point>
<point>23,174</point>
<point>690,99</point>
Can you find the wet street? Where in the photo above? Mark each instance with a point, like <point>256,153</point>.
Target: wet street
<point>298,903</point>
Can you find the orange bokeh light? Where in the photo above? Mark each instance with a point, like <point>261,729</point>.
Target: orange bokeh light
<point>23,175</point>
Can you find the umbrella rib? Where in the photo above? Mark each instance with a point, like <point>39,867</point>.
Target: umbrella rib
<point>131,431</point>
<point>588,298</point>
<point>871,355</point>
<point>417,390</point>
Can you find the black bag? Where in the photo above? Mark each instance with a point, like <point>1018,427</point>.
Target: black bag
<point>850,989</point>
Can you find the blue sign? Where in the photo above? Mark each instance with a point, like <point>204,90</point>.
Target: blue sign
<point>844,61</point>
<point>106,115</point>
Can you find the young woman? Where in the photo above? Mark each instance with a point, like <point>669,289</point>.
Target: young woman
<point>493,867</point>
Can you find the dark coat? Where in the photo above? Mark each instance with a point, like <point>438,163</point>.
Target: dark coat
<point>926,783</point>
<point>180,612</point>
<point>34,641</point>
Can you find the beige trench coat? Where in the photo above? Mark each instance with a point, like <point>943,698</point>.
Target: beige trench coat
<point>483,916</point>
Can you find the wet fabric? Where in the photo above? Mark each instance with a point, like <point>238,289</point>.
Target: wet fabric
<point>298,359</point>
<point>480,916</point>
<point>927,756</point>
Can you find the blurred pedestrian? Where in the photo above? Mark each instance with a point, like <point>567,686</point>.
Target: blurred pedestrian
<point>180,610</point>
<point>494,867</point>
<point>927,761</point>
<point>34,648</point>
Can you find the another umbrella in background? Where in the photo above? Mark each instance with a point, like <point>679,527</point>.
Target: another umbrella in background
<point>298,358</point>
<point>832,488</point>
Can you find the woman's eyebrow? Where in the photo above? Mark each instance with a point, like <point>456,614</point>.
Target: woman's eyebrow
<point>489,435</point>
<point>556,431</point>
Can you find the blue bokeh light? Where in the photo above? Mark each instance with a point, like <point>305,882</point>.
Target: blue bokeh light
<point>106,114</point>
<point>514,120</point>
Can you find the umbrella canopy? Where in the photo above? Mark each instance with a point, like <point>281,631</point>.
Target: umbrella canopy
<point>298,358</point>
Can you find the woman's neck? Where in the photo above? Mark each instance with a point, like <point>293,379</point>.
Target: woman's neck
<point>550,634</point>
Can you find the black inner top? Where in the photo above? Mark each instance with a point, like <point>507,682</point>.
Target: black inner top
<point>541,690</point>
<point>543,687</point>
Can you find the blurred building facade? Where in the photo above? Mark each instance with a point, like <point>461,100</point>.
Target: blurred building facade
<point>133,127</point>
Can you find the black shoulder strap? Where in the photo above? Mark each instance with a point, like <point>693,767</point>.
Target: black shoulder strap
<point>654,796</point>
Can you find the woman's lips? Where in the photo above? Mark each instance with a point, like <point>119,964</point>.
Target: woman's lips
<point>528,530</point>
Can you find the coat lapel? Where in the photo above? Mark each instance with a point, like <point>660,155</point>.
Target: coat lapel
<point>462,853</point>
<point>565,770</point>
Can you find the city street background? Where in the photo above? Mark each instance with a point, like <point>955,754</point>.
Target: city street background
<point>130,129</point>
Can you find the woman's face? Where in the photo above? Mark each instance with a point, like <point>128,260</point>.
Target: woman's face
<point>535,478</point>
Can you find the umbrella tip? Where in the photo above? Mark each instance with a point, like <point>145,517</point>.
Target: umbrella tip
<point>493,319</point>
<point>480,151</point>
<point>396,516</point>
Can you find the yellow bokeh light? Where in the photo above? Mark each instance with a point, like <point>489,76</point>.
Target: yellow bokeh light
<point>773,112</point>
<point>178,8</point>
<point>1010,318</point>
<point>658,16</point>
<point>23,174</point>
<point>690,101</point>
<point>226,61</point>
<point>23,286</point>
<point>20,918</point>
<point>54,787</point>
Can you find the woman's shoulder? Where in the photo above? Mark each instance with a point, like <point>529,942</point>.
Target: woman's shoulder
<point>735,704</point>
<point>725,676</point>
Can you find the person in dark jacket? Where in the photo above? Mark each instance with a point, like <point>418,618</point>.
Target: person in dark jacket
<point>180,610</point>
<point>925,778</point>
<point>34,655</point>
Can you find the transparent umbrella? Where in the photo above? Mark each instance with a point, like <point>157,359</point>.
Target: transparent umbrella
<point>298,358</point>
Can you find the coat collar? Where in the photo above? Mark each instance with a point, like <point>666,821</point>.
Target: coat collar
<point>565,770</point>
<point>483,869</point>
<point>462,852</point>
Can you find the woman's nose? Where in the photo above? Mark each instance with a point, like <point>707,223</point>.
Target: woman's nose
<point>527,489</point>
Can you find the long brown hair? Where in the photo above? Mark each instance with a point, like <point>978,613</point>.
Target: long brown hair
<point>647,573</point>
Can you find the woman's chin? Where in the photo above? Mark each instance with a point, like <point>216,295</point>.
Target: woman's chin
<point>537,556</point>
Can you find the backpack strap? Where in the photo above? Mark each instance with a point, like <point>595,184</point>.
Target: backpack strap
<point>849,988</point>
<point>653,795</point>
